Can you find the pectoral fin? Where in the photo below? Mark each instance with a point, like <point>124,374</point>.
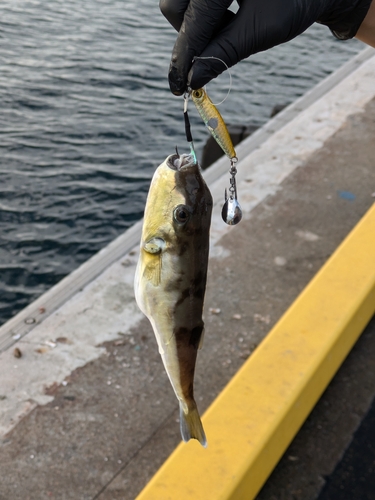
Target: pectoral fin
<point>152,270</point>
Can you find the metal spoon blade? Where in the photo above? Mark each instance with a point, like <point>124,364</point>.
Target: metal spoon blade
<point>231,212</point>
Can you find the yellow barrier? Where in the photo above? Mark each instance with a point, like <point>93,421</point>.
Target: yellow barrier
<point>256,416</point>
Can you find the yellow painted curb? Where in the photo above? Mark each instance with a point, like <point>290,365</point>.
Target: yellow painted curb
<point>256,416</point>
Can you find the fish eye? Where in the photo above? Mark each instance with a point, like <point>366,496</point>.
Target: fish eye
<point>181,214</point>
<point>198,93</point>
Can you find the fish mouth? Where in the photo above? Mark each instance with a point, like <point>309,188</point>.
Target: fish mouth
<point>180,162</point>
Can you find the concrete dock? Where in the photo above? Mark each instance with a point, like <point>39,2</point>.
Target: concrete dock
<point>87,412</point>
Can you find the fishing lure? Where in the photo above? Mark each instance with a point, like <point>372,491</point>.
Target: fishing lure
<point>231,211</point>
<point>213,121</point>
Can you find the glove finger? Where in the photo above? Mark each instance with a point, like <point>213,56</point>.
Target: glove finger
<point>223,52</point>
<point>251,30</point>
<point>198,27</point>
<point>173,11</point>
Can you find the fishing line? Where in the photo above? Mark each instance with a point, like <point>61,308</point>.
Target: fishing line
<point>230,76</point>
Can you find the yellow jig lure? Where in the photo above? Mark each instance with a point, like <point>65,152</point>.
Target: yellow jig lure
<point>213,121</point>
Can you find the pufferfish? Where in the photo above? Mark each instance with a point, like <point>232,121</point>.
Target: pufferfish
<point>171,275</point>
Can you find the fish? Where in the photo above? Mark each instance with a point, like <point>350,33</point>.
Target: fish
<point>171,274</point>
<point>213,121</point>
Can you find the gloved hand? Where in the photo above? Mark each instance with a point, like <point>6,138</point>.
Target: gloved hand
<point>206,28</point>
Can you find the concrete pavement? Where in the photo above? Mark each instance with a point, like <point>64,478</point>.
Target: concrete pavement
<point>87,411</point>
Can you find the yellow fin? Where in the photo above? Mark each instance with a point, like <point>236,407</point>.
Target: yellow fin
<point>191,426</point>
<point>152,271</point>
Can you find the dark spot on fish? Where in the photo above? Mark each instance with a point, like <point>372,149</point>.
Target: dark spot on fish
<point>199,293</point>
<point>175,284</point>
<point>184,336</point>
<point>180,334</point>
<point>195,336</point>
<point>195,290</point>
<point>184,295</point>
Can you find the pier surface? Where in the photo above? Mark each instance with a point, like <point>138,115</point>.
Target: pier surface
<point>87,411</point>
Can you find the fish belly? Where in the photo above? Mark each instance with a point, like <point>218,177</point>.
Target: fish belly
<point>176,318</point>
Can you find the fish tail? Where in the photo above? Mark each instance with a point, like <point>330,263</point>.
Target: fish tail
<point>190,424</point>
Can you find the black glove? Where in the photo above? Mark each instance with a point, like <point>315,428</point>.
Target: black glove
<point>206,28</point>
